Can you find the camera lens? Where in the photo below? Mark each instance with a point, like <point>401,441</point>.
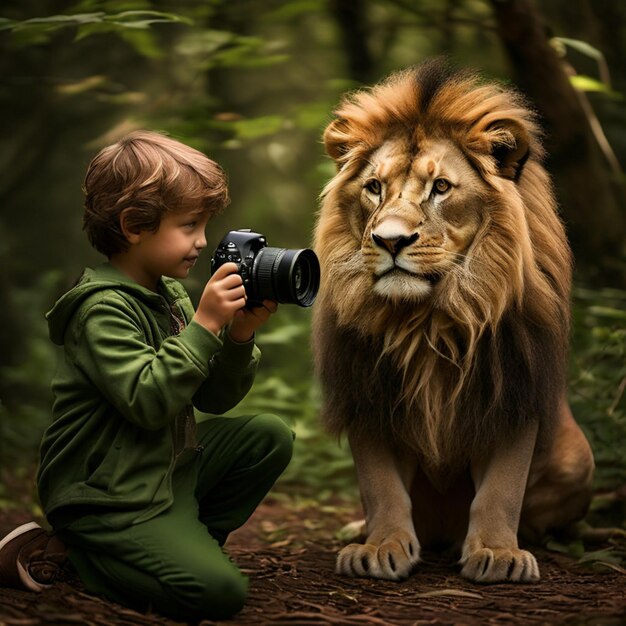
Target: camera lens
<point>288,276</point>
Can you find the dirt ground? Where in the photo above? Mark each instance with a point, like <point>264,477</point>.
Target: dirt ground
<point>288,551</point>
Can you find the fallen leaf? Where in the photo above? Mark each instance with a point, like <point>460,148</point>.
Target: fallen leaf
<point>459,593</point>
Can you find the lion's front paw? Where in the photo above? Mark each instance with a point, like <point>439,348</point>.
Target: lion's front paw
<point>393,559</point>
<point>492,565</point>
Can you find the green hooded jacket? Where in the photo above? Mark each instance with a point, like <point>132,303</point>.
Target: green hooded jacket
<point>122,419</point>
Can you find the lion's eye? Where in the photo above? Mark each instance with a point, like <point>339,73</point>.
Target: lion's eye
<point>441,185</point>
<point>373,186</point>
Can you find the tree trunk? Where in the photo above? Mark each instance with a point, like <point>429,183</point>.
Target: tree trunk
<point>351,19</point>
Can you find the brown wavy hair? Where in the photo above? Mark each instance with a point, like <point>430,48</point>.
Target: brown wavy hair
<point>148,173</point>
<point>450,376</point>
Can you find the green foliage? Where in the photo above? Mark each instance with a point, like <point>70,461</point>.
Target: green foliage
<point>22,425</point>
<point>39,30</point>
<point>208,48</point>
<point>612,557</point>
<point>581,81</point>
<point>598,378</point>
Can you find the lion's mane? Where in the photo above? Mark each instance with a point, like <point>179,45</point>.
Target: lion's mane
<point>450,377</point>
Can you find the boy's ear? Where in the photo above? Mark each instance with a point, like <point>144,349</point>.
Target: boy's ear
<point>132,234</point>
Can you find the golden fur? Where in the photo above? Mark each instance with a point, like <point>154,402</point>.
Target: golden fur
<point>452,361</point>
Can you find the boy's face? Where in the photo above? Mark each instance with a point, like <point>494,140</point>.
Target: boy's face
<point>174,248</point>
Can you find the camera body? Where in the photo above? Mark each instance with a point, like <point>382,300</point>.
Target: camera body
<point>279,274</point>
<point>240,247</point>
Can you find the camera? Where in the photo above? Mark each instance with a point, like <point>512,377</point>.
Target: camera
<point>279,274</point>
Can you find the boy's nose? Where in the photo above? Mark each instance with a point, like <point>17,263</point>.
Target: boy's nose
<point>200,242</point>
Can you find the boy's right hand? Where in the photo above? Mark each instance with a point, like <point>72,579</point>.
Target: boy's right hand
<point>222,297</point>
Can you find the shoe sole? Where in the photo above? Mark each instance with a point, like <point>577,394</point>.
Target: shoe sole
<point>16,532</point>
<point>25,577</point>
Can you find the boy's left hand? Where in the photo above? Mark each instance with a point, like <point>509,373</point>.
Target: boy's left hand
<point>246,321</point>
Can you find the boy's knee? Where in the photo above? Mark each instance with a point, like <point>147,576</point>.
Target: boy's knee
<point>278,435</point>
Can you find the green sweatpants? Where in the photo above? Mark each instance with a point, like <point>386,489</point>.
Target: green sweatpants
<point>174,562</point>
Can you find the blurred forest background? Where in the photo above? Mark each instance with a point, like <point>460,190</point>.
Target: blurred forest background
<point>253,84</point>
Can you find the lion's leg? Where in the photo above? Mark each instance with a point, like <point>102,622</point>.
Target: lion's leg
<point>490,550</point>
<point>391,548</point>
<point>560,481</point>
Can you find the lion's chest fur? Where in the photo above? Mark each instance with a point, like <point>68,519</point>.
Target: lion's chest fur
<point>417,396</point>
<point>401,395</point>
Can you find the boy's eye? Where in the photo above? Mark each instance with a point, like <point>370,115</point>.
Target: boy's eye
<point>190,224</point>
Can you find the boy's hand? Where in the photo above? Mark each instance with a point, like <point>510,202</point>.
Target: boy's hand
<point>246,321</point>
<point>222,297</point>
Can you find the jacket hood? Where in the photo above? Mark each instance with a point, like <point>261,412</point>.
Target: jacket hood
<point>104,277</point>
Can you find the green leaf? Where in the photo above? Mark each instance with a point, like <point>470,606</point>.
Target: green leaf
<point>159,16</point>
<point>61,20</point>
<point>608,556</point>
<point>586,83</point>
<point>582,47</point>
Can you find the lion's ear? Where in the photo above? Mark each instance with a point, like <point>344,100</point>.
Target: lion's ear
<point>337,138</point>
<point>510,147</point>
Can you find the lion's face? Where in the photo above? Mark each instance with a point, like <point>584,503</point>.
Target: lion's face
<point>439,210</point>
<point>417,214</point>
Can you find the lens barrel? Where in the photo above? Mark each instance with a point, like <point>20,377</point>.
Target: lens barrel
<point>287,276</point>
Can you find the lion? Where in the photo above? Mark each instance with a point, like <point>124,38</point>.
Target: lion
<point>441,330</point>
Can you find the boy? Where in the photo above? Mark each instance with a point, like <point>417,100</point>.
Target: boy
<point>142,496</point>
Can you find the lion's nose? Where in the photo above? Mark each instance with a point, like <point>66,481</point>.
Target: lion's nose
<point>394,244</point>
